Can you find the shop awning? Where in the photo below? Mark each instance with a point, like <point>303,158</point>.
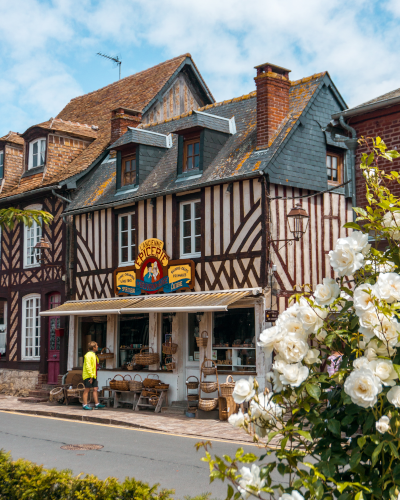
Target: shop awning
<point>177,302</point>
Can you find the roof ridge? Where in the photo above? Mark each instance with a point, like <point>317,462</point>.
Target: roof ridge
<point>308,78</point>
<point>130,76</point>
<point>69,122</point>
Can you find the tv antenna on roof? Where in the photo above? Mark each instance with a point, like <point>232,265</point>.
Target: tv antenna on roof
<point>115,59</point>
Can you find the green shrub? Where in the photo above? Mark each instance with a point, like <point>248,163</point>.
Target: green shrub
<point>24,480</point>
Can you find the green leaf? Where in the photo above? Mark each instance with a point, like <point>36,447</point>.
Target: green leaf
<point>305,435</point>
<point>397,368</point>
<point>334,426</point>
<point>352,225</point>
<point>361,441</point>
<point>314,391</point>
<point>355,459</point>
<point>359,496</point>
<point>394,449</point>
<point>230,492</point>
<point>375,454</point>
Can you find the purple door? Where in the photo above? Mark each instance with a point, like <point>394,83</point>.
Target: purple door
<point>53,360</point>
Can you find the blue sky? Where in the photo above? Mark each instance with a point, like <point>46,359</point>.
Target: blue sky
<point>48,47</point>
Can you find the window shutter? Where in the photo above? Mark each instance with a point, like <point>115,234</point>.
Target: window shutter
<point>201,160</point>
<point>180,154</point>
<point>119,168</point>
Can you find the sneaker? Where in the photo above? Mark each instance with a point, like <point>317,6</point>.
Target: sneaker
<point>96,407</point>
<point>87,407</point>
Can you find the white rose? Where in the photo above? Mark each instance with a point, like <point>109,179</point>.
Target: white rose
<point>289,312</point>
<point>361,362</point>
<point>358,242</point>
<point>293,325</point>
<point>244,390</point>
<point>294,374</point>
<point>393,396</point>
<point>368,322</point>
<point>292,348</point>
<point>321,335</point>
<point>295,495</point>
<point>389,287</point>
<point>273,378</point>
<point>373,350</point>
<point>265,409</point>
<point>250,477</point>
<point>312,320</point>
<point>237,419</point>
<point>391,220</point>
<point>269,337</point>
<point>383,369</point>
<point>312,357</point>
<point>363,387</point>
<point>344,260</point>
<point>382,425</point>
<point>326,293</point>
<point>363,298</point>
<point>387,330</point>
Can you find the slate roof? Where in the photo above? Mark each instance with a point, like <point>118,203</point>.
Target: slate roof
<point>12,137</point>
<point>71,128</point>
<point>238,157</point>
<point>136,92</point>
<point>389,95</point>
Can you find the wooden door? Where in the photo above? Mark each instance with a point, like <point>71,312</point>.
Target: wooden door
<point>53,361</point>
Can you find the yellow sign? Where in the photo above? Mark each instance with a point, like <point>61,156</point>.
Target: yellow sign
<point>178,273</point>
<point>126,278</point>
<point>151,248</point>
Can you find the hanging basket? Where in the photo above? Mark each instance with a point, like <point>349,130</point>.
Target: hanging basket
<point>120,385</point>
<point>208,367</point>
<point>105,355</point>
<point>192,397</point>
<point>136,385</point>
<point>192,385</point>
<point>203,339</point>
<point>151,382</point>
<point>169,348</point>
<point>208,404</point>
<point>147,358</point>
<point>227,387</point>
<point>170,364</point>
<point>209,387</point>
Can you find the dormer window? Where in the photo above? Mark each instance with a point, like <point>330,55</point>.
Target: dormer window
<point>128,173</point>
<point>191,157</point>
<point>1,164</point>
<point>37,153</point>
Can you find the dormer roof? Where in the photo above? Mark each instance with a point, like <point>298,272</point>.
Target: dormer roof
<point>13,138</point>
<point>73,129</point>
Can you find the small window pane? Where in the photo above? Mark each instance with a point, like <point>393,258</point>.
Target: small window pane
<point>190,150</point>
<point>124,239</point>
<point>197,210</point>
<point>35,148</point>
<point>132,253</point>
<point>186,212</point>
<point>197,224</point>
<point>124,223</point>
<point>133,222</point>
<point>186,228</point>
<point>190,163</point>
<point>198,244</point>
<point>197,148</point>
<point>127,166</point>
<point>196,161</point>
<point>124,254</point>
<point>1,158</point>
<point>186,246</point>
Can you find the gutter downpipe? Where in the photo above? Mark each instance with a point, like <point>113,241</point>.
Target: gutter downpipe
<point>61,197</point>
<point>352,145</point>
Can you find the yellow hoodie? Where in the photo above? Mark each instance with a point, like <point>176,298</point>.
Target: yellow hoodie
<point>89,365</point>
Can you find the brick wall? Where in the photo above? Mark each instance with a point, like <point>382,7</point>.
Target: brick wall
<point>61,151</point>
<point>385,124</point>
<point>13,165</point>
<point>121,119</point>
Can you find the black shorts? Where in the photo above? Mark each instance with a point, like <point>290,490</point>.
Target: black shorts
<point>89,385</point>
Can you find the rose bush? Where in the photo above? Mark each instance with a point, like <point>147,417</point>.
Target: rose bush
<point>339,435</point>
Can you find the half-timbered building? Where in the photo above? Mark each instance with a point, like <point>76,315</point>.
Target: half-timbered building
<point>41,169</point>
<point>183,229</point>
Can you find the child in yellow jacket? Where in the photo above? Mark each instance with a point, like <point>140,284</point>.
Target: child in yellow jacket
<point>89,376</point>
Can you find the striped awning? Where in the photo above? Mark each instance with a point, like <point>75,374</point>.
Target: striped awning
<point>177,302</point>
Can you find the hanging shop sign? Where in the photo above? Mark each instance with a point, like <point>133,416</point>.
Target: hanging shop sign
<point>271,315</point>
<point>154,272</point>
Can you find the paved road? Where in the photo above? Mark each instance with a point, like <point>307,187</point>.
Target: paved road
<point>153,457</point>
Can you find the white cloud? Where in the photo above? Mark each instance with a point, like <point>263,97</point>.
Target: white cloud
<point>43,42</point>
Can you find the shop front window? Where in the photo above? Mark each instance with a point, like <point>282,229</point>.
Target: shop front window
<point>234,340</point>
<point>133,336</point>
<point>193,332</point>
<point>166,337</point>
<point>91,328</point>
<point>3,328</point>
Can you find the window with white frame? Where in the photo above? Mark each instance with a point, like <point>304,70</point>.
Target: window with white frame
<point>190,229</point>
<point>127,239</point>
<point>3,327</point>
<point>31,327</point>
<point>32,237</point>
<point>1,164</point>
<point>37,153</point>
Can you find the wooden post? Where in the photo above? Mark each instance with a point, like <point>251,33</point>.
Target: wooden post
<point>111,341</point>
<point>72,342</point>
<point>155,335</point>
<point>263,366</point>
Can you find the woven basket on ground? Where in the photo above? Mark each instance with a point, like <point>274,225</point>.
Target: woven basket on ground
<point>169,348</point>
<point>120,385</point>
<point>170,364</point>
<point>57,394</point>
<point>202,340</point>
<point>208,404</point>
<point>208,367</point>
<point>192,385</point>
<point>151,382</point>
<point>136,385</point>
<point>105,355</point>
<point>227,387</point>
<point>192,397</point>
<point>154,400</point>
<point>76,392</point>
<point>209,386</point>
<point>146,358</point>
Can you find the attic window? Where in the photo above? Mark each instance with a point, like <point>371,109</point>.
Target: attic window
<point>37,153</point>
<point>334,162</point>
<point>191,154</point>
<point>128,171</point>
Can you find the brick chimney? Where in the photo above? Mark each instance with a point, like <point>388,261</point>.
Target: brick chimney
<point>273,85</point>
<point>121,119</point>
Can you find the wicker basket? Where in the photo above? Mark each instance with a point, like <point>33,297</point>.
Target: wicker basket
<point>153,400</point>
<point>192,385</point>
<point>162,387</point>
<point>202,340</point>
<point>227,387</point>
<point>120,385</point>
<point>170,364</point>
<point>136,385</point>
<point>151,382</point>
<point>77,391</point>
<point>209,386</point>
<point>192,397</point>
<point>57,394</point>
<point>148,393</point>
<point>146,358</point>
<point>169,348</point>
<point>208,367</point>
<point>105,355</point>
<point>208,404</point>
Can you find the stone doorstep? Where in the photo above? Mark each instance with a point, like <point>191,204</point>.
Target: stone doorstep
<point>33,400</point>
<point>39,394</point>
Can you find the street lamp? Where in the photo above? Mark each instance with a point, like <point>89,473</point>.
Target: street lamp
<point>41,246</point>
<point>297,220</point>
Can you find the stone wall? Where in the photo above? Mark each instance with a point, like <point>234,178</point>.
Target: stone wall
<point>17,382</point>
